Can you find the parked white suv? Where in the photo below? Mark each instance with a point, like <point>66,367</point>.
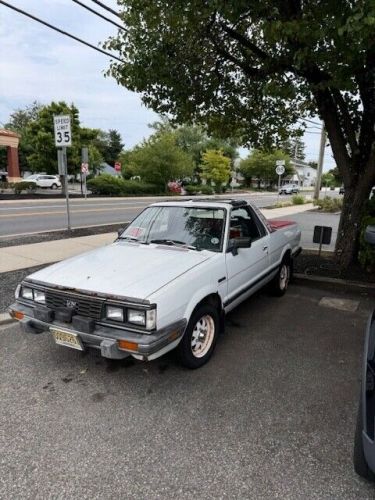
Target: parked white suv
<point>45,181</point>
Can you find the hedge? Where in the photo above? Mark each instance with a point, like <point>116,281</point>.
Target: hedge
<point>116,186</point>
<point>193,189</point>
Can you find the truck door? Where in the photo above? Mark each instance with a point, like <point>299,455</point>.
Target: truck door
<point>246,269</point>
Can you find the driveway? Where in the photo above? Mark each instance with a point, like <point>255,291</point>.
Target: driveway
<point>272,415</point>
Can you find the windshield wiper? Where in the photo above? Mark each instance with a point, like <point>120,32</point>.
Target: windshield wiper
<point>176,243</point>
<point>132,238</point>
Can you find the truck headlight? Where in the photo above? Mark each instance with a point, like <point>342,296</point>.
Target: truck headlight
<point>39,296</point>
<point>145,318</point>
<point>27,293</point>
<point>115,313</point>
<point>137,317</point>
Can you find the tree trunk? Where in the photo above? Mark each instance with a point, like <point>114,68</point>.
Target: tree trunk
<point>355,198</point>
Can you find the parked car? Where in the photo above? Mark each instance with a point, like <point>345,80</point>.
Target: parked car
<point>45,181</point>
<point>165,283</point>
<point>289,189</point>
<point>364,442</point>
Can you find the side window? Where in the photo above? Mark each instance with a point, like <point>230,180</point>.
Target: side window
<point>244,223</point>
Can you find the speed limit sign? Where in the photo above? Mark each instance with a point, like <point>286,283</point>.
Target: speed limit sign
<point>63,133</point>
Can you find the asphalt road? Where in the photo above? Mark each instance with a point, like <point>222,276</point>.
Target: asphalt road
<point>43,215</point>
<point>272,415</point>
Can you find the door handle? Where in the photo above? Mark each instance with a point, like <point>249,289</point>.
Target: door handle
<point>265,248</point>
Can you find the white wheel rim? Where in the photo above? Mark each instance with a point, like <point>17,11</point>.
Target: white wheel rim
<point>202,336</point>
<point>284,277</point>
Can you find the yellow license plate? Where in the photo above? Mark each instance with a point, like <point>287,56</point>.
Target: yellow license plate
<point>67,339</point>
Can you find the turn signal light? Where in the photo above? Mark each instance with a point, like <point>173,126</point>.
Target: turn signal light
<point>127,346</point>
<point>17,315</point>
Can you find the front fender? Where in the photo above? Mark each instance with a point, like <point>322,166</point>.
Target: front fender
<point>198,296</point>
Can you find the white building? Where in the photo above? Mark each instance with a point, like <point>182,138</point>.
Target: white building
<point>305,175</point>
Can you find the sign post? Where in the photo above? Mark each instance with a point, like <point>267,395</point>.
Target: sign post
<point>85,167</point>
<point>280,169</point>
<point>63,139</point>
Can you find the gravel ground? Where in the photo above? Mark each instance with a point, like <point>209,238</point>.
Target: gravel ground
<point>313,265</point>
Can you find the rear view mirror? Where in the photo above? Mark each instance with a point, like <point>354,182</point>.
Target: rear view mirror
<point>370,235</point>
<point>236,243</point>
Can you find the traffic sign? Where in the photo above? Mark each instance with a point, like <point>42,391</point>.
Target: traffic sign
<point>280,169</point>
<point>85,168</point>
<point>118,166</point>
<point>280,162</point>
<point>63,132</point>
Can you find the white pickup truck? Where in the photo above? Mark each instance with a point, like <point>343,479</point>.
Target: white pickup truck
<point>166,282</point>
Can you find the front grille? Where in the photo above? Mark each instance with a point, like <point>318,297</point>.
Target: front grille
<point>82,305</point>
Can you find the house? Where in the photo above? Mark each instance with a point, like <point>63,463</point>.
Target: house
<point>305,175</point>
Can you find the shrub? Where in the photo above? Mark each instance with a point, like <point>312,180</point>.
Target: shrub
<point>23,186</point>
<point>205,189</point>
<point>366,255</point>
<point>109,185</point>
<point>328,204</point>
<point>191,189</point>
<point>297,199</point>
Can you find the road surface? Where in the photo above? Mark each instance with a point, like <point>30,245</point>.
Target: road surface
<point>26,217</point>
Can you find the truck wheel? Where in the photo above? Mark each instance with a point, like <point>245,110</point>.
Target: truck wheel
<point>280,282</point>
<point>199,340</point>
<point>359,460</point>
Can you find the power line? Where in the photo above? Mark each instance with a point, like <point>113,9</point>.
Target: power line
<point>62,32</point>
<point>310,121</point>
<point>106,8</point>
<point>98,14</point>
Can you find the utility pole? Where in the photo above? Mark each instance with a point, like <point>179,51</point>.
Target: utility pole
<point>323,140</point>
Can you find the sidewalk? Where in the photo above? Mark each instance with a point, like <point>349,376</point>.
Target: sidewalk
<point>23,256</point>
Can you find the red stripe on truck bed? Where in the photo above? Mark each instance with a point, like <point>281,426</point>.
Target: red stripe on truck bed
<point>278,224</point>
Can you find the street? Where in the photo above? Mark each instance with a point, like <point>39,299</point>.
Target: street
<point>272,415</point>
<point>20,217</point>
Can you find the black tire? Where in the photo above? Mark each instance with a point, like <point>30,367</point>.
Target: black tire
<point>280,282</point>
<point>54,186</point>
<point>185,348</point>
<point>359,460</point>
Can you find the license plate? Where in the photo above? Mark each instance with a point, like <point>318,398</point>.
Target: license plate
<point>67,339</point>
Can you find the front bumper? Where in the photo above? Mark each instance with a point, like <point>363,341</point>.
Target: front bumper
<point>148,346</point>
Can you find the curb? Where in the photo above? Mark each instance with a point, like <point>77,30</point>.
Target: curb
<point>5,319</point>
<point>333,281</point>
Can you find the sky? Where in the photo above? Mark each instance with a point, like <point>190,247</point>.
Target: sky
<point>38,64</point>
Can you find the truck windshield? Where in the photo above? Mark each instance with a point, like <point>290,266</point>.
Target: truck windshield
<point>195,228</point>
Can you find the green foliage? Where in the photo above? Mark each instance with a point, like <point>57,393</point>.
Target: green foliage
<point>297,199</point>
<point>109,144</point>
<point>328,204</point>
<point>260,166</point>
<point>328,180</point>
<point>23,186</point>
<point>192,189</point>
<point>110,185</point>
<point>160,160</point>
<point>294,148</point>
<point>215,167</point>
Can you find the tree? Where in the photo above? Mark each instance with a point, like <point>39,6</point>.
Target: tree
<point>294,147</point>
<point>109,144</point>
<point>215,167</point>
<point>254,68</point>
<point>159,160</point>
<point>19,122</point>
<point>261,166</point>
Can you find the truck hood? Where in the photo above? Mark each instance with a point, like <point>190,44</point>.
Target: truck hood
<point>122,269</point>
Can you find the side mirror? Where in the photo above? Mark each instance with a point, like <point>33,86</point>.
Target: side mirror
<point>236,243</point>
<point>370,235</point>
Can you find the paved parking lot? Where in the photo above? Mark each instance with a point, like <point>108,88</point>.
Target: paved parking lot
<point>271,416</point>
